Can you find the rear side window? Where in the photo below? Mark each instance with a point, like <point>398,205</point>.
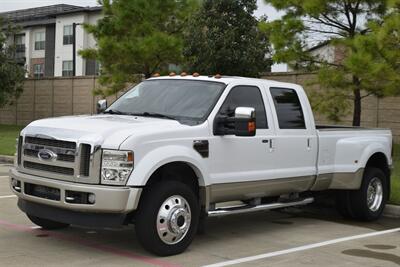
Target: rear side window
<point>246,96</point>
<point>288,108</point>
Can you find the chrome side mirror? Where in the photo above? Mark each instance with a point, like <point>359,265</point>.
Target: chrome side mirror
<point>101,105</point>
<point>245,121</point>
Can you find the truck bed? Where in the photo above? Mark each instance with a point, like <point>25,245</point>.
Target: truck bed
<point>345,128</point>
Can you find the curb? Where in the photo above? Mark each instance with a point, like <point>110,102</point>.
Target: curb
<point>392,211</point>
<point>6,159</point>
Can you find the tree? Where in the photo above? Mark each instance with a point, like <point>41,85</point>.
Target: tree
<point>137,37</point>
<point>342,23</point>
<point>223,37</point>
<point>11,74</point>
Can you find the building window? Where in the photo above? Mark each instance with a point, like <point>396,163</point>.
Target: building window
<point>67,68</point>
<point>38,71</point>
<point>68,35</point>
<point>40,40</point>
<point>97,68</point>
<point>19,41</point>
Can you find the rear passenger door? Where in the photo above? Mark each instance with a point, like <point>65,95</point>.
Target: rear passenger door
<point>295,143</point>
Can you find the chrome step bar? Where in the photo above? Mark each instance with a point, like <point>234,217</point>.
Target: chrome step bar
<point>223,211</point>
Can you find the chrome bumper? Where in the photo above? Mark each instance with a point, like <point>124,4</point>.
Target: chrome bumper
<point>109,199</point>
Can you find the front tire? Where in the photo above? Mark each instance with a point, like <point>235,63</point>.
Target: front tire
<point>167,219</point>
<point>47,224</point>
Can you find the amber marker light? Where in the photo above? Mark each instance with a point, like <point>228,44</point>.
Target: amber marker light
<point>130,156</point>
<point>251,126</point>
<point>183,74</point>
<point>172,74</point>
<point>195,74</point>
<point>156,75</point>
<point>217,76</point>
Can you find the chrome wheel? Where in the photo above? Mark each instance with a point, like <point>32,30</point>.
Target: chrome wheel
<point>375,194</point>
<point>173,220</point>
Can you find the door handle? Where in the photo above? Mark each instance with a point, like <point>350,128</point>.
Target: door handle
<point>308,144</point>
<point>271,145</point>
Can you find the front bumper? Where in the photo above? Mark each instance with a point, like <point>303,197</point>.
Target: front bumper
<point>108,199</point>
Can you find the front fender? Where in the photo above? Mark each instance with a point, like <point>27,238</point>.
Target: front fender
<point>168,154</point>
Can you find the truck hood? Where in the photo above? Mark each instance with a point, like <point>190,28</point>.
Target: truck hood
<point>109,131</point>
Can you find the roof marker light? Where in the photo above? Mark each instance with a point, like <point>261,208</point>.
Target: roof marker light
<point>183,74</point>
<point>172,74</point>
<point>217,76</point>
<point>156,75</point>
<point>195,74</point>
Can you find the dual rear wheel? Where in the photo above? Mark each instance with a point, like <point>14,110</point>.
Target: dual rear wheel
<point>367,203</point>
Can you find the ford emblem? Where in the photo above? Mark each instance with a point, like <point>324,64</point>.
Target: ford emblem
<point>48,155</point>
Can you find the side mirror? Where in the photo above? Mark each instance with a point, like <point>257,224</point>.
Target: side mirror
<point>242,124</point>
<point>101,105</point>
<point>245,121</point>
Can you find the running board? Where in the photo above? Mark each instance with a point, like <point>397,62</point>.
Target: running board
<point>223,211</point>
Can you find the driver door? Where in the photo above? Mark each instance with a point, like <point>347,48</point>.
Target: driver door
<point>237,162</point>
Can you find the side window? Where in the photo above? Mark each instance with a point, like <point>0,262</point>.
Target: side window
<point>288,108</point>
<point>246,96</point>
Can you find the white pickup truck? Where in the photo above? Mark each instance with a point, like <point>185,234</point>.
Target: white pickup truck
<point>173,150</point>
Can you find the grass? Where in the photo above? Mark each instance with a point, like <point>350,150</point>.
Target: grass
<point>395,194</point>
<point>8,135</point>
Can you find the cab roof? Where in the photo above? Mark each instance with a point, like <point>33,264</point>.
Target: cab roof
<point>225,79</point>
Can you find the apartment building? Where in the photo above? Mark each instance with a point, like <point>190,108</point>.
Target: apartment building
<point>51,37</point>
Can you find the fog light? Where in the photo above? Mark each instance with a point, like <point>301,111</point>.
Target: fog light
<point>92,198</point>
<point>16,185</point>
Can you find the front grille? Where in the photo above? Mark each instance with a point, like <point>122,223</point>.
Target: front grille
<point>85,160</point>
<point>50,142</point>
<point>19,155</point>
<point>48,168</point>
<point>61,160</point>
<point>60,157</point>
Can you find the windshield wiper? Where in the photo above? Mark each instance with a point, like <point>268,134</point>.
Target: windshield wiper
<point>154,114</point>
<point>116,112</point>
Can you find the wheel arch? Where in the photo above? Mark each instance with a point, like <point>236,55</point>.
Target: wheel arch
<point>380,161</point>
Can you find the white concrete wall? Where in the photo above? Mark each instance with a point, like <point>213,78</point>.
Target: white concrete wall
<point>325,53</point>
<point>35,53</point>
<point>64,52</point>
<point>83,40</point>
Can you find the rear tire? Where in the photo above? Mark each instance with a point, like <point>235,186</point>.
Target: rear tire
<point>367,203</point>
<point>47,224</point>
<point>167,218</point>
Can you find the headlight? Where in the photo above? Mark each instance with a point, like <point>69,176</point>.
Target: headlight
<point>116,166</point>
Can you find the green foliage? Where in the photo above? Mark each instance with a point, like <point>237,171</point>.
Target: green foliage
<point>11,74</point>
<point>137,37</point>
<point>224,37</point>
<point>367,33</point>
<point>8,135</point>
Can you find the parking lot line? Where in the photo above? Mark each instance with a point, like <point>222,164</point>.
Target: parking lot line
<point>301,248</point>
<point>9,196</point>
<point>93,245</point>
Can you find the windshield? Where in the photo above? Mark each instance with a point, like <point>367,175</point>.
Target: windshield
<point>183,100</point>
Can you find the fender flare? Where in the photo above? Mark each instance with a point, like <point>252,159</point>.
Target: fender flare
<point>164,155</point>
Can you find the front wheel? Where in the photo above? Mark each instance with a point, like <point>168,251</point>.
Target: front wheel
<point>167,219</point>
